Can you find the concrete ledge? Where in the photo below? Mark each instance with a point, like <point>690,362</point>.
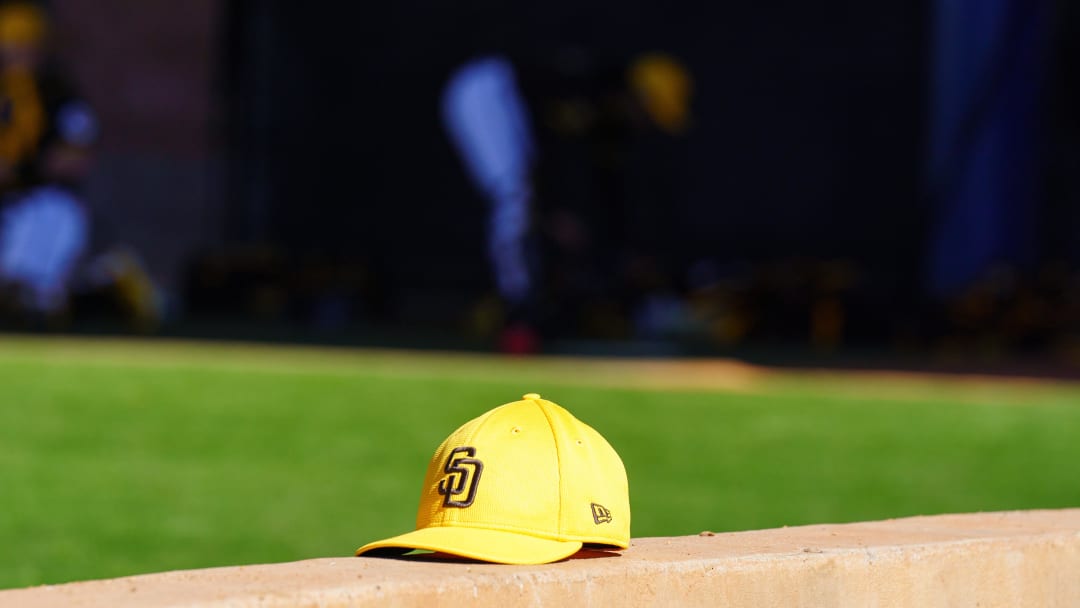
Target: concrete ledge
<point>1025,558</point>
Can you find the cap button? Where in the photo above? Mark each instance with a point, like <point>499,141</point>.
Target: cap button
<point>533,396</point>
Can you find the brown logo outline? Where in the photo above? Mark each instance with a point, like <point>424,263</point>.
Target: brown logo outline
<point>459,476</point>
<point>600,514</point>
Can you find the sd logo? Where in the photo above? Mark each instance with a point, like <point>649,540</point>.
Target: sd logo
<point>461,472</point>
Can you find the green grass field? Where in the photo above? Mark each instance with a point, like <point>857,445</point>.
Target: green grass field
<point>126,457</point>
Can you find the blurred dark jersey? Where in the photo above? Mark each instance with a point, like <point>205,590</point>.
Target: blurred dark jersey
<point>35,120</point>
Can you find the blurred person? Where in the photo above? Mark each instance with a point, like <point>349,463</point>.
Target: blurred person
<point>46,135</point>
<point>519,127</point>
<point>988,80</point>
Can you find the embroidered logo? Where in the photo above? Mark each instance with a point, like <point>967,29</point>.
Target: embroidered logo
<point>600,514</point>
<point>462,477</point>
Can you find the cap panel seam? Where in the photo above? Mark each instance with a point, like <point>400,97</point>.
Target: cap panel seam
<point>481,420</point>
<point>558,459</point>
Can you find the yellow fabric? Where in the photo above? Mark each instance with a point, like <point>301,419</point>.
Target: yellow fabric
<point>545,483</point>
<point>22,23</point>
<point>664,87</point>
<point>23,122</point>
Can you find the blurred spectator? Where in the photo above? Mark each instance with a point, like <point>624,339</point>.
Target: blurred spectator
<point>46,133</point>
<point>988,83</point>
<point>529,132</point>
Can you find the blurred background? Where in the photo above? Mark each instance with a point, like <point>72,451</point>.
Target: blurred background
<point>891,185</point>
<point>899,179</point>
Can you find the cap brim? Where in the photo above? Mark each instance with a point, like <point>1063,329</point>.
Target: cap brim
<point>476,543</point>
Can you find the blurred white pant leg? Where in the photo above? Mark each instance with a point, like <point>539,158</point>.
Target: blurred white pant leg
<point>42,236</point>
<point>486,118</point>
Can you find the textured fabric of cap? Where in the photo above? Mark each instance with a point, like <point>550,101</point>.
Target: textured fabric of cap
<point>525,483</point>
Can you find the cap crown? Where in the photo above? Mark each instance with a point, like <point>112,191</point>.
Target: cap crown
<point>529,467</point>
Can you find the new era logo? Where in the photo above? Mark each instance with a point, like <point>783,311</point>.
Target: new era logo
<point>600,514</point>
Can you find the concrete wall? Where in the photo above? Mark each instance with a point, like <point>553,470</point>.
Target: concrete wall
<point>1025,558</point>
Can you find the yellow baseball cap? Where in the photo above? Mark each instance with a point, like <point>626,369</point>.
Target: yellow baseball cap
<point>525,483</point>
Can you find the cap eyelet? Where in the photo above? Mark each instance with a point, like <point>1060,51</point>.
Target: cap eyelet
<point>515,430</point>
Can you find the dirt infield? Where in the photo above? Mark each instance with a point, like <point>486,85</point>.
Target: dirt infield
<point>638,373</point>
<point>1026,558</point>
